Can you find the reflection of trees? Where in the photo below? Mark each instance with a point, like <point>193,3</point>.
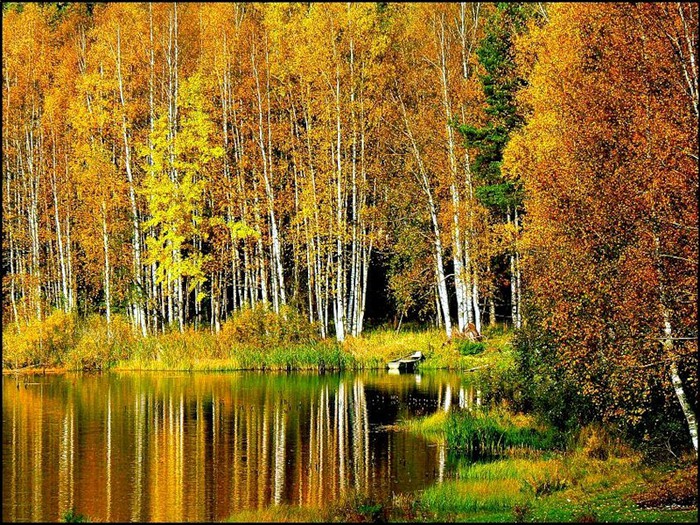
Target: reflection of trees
<point>198,447</point>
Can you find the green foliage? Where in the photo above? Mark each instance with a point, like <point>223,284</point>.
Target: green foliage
<point>467,347</point>
<point>13,6</point>
<point>500,83</point>
<point>542,385</point>
<point>70,516</point>
<point>491,434</point>
<point>501,196</point>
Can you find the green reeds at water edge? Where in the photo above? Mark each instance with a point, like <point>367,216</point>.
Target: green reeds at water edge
<point>485,434</point>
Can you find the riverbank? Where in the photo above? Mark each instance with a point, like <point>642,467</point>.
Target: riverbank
<point>523,470</point>
<point>591,478</point>
<point>510,467</point>
<point>253,340</point>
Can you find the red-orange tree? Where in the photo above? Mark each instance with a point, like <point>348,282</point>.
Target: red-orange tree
<point>609,164</point>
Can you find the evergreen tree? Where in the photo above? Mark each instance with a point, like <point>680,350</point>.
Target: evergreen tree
<point>500,83</point>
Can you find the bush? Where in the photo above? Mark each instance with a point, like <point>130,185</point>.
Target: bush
<point>467,347</point>
<point>544,387</point>
<point>262,327</point>
<point>100,346</point>
<point>40,343</point>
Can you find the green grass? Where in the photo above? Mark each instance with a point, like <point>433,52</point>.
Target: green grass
<point>513,468</point>
<point>486,434</point>
<point>431,427</point>
<point>549,490</point>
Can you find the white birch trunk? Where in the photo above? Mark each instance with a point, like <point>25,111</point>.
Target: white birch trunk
<point>69,267</point>
<point>518,290</point>
<point>276,270</point>
<point>321,305</point>
<point>475,299</point>
<point>459,270</point>
<point>64,277</point>
<point>105,245</point>
<point>439,268</point>
<point>12,285</point>
<point>339,308</point>
<point>136,229</point>
<point>677,383</point>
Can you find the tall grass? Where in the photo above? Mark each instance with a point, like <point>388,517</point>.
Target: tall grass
<point>482,433</point>
<point>491,495</point>
<point>39,343</point>
<point>252,338</point>
<point>487,434</point>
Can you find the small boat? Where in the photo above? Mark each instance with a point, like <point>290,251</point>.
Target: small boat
<point>407,363</point>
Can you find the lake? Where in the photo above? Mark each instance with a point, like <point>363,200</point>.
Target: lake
<point>178,446</point>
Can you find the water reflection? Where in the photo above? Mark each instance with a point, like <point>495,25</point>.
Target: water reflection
<point>175,447</point>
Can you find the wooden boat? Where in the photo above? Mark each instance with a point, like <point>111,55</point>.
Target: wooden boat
<point>407,362</point>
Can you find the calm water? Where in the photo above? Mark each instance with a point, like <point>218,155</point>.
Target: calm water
<point>179,446</point>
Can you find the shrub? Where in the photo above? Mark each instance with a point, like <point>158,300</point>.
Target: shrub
<point>542,385</point>
<point>261,327</point>
<point>41,342</point>
<point>467,347</point>
<point>100,346</point>
<point>70,516</point>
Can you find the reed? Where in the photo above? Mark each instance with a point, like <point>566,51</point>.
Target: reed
<point>487,434</point>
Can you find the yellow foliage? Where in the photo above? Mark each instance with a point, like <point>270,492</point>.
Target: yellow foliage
<point>41,342</point>
<point>100,345</point>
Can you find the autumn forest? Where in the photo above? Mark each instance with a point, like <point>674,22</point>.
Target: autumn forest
<point>167,167</point>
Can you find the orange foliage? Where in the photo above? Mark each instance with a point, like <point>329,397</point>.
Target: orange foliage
<point>609,163</point>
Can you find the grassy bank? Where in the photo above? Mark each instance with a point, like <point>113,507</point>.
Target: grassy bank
<point>513,467</point>
<point>250,340</point>
<point>566,488</point>
<point>594,478</point>
<point>510,467</point>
